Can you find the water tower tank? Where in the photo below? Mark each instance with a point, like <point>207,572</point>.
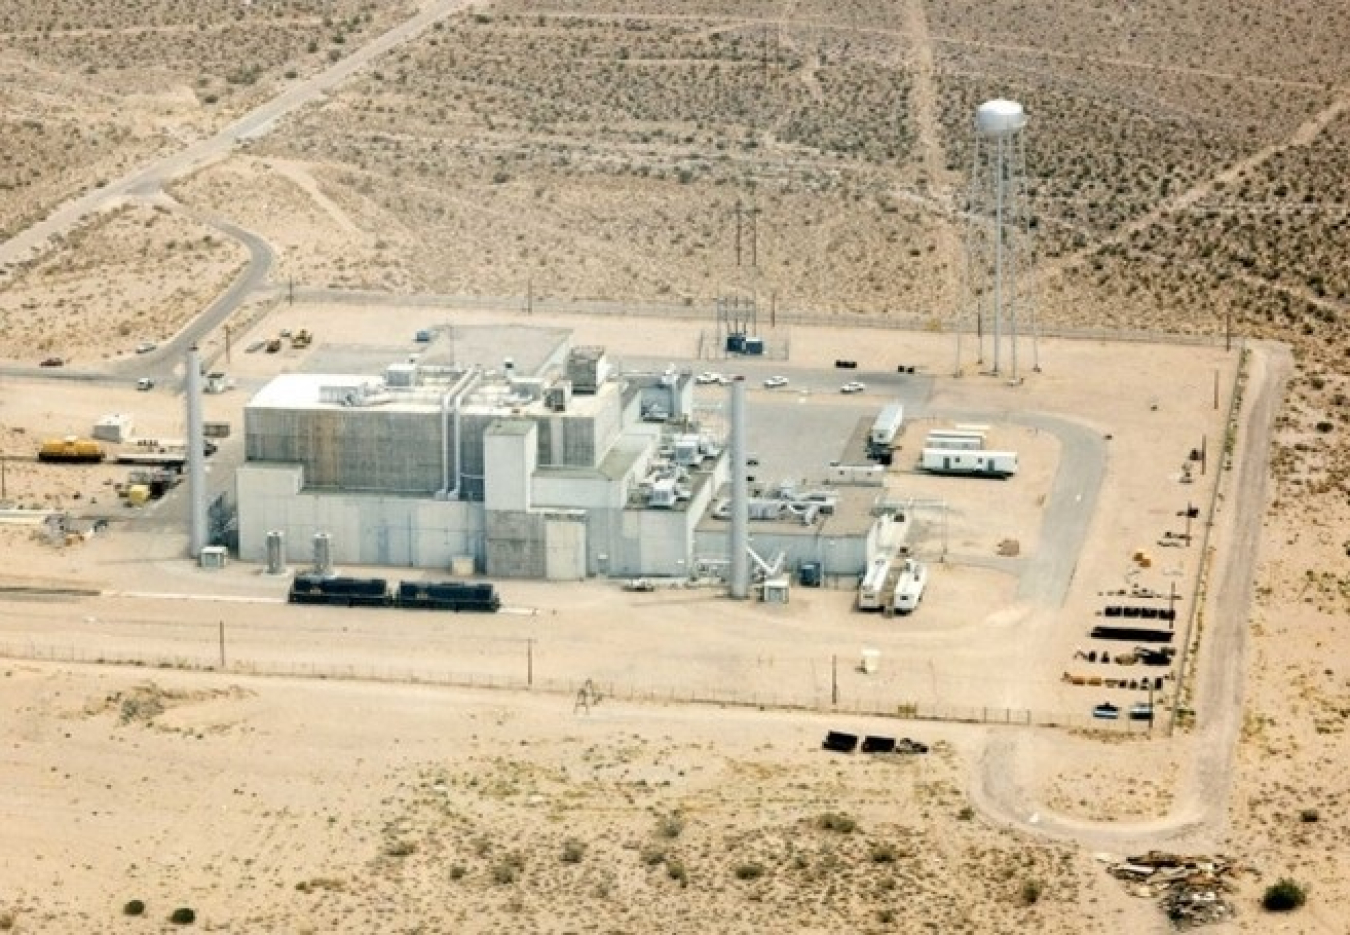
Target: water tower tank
<point>999,118</point>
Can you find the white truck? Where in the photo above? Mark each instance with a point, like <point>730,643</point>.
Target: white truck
<point>872,590</point>
<point>970,463</point>
<point>909,586</point>
<point>884,429</point>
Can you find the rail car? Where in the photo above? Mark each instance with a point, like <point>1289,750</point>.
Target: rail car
<point>343,591</point>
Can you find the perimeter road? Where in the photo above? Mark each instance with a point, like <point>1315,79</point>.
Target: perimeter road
<point>147,181</point>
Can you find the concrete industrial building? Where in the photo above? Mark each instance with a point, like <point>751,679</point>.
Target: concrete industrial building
<point>551,465</point>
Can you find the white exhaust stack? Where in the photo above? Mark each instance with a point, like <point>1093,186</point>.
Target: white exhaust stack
<point>740,496</point>
<point>196,456</point>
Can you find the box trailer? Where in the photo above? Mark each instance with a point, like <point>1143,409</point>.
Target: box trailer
<point>969,463</point>
<point>909,586</point>
<point>872,590</point>
<point>884,429</point>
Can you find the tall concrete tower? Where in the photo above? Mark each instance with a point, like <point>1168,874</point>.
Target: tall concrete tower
<point>738,542</point>
<point>196,456</point>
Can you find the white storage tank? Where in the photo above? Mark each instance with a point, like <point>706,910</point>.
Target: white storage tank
<point>999,118</point>
<point>276,552</point>
<point>323,554</point>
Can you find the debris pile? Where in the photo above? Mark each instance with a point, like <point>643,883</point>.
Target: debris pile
<point>1191,890</point>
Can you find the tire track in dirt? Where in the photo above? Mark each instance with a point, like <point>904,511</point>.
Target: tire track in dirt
<point>1000,782</point>
<point>1306,133</point>
<point>928,144</point>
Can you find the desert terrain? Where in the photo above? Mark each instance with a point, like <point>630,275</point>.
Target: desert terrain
<point>1186,171</point>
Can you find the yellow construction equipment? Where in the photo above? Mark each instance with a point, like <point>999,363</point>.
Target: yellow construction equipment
<point>72,449</point>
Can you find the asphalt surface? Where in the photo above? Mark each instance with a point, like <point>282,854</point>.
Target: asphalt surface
<point>1202,797</point>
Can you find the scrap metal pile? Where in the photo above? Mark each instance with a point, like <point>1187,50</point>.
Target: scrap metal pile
<point>1191,890</point>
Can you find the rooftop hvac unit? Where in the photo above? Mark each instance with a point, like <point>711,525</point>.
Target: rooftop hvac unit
<point>401,375</point>
<point>687,450</point>
<point>663,493</point>
<point>558,396</point>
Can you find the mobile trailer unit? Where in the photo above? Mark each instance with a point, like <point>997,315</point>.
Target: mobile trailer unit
<point>872,590</point>
<point>953,442</point>
<point>969,463</point>
<point>940,438</point>
<point>887,425</point>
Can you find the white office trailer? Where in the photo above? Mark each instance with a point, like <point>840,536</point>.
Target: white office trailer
<point>955,440</point>
<point>998,464</point>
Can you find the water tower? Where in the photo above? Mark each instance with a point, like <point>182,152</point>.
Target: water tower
<point>997,231</point>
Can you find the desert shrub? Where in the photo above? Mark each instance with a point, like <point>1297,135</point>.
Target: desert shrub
<point>676,871</point>
<point>652,855</point>
<point>458,871</point>
<point>749,870</point>
<point>505,872</point>
<point>399,848</point>
<point>1309,815</point>
<point>133,908</point>
<point>6,921</point>
<point>966,813</point>
<point>884,853</point>
<point>1284,895</point>
<point>573,850</point>
<point>838,821</point>
<point>1032,890</point>
<point>183,916</point>
<point>670,826</point>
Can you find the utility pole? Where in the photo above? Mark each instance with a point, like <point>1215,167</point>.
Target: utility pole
<point>222,645</point>
<point>738,233</point>
<point>834,680</point>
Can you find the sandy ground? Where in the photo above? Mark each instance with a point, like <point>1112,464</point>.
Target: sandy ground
<point>256,761</point>
<point>973,648</point>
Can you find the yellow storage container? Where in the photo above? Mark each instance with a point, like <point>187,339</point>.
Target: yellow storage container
<point>138,494</point>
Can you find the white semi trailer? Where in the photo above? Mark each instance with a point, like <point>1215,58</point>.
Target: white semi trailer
<point>887,425</point>
<point>909,586</point>
<point>972,463</point>
<point>872,590</point>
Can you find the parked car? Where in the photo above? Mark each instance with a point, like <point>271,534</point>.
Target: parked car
<point>1106,711</point>
<point>145,347</point>
<point>707,377</point>
<point>144,384</point>
<point>853,386</point>
<point>51,362</point>
<point>1143,711</point>
<point>775,382</point>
